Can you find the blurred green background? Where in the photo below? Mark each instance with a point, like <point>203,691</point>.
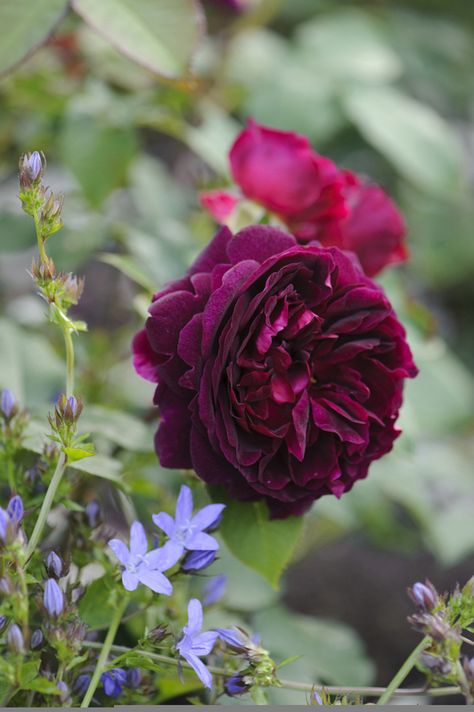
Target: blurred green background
<point>385,88</point>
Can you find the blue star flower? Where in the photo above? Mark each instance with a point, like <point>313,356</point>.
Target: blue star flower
<point>113,682</point>
<point>140,566</point>
<point>194,644</point>
<point>186,531</point>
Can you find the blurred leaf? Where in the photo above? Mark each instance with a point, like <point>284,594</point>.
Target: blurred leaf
<point>330,652</point>
<point>24,26</point>
<point>74,454</point>
<point>262,544</point>
<point>97,605</point>
<point>122,429</point>
<point>212,139</point>
<point>348,44</point>
<point>28,365</point>
<point>101,466</point>
<point>161,36</point>
<point>17,233</point>
<point>97,155</point>
<point>128,267</point>
<point>419,143</point>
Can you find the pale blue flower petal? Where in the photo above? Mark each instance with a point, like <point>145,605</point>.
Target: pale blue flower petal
<point>194,617</point>
<point>155,580</point>
<point>184,506</point>
<point>201,542</point>
<point>200,669</point>
<point>120,550</point>
<point>207,516</point>
<point>165,522</point>
<point>204,642</point>
<point>138,542</point>
<point>129,580</point>
<point>164,558</point>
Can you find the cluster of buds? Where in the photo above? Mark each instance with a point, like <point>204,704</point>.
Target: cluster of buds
<point>261,669</point>
<point>39,202</point>
<point>442,619</point>
<point>64,419</point>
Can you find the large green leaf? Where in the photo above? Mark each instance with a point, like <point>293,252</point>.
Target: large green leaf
<point>97,154</point>
<point>330,652</point>
<point>161,35</point>
<point>24,26</point>
<point>263,544</point>
<point>419,143</point>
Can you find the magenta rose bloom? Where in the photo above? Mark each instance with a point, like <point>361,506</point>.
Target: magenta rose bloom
<point>308,192</point>
<point>280,369</point>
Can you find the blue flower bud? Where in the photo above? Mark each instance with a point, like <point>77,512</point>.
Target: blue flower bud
<point>3,623</point>
<point>34,165</point>
<point>7,404</point>
<point>215,589</point>
<point>198,560</point>
<point>64,691</point>
<point>15,639</point>
<point>235,685</point>
<point>113,682</point>
<point>81,684</point>
<point>424,595</point>
<point>15,509</point>
<point>6,586</point>
<point>317,698</point>
<point>54,564</point>
<point>53,598</point>
<point>134,677</point>
<point>72,403</point>
<point>92,513</point>
<point>36,639</point>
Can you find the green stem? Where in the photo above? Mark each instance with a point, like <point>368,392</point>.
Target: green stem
<point>287,684</point>
<point>39,237</point>
<point>46,506</point>
<point>403,672</point>
<point>104,652</point>
<point>69,361</point>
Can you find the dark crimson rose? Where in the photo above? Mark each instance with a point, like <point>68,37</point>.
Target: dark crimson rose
<point>317,200</point>
<point>373,228</point>
<point>280,369</point>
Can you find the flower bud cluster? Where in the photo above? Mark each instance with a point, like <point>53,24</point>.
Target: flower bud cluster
<point>260,670</point>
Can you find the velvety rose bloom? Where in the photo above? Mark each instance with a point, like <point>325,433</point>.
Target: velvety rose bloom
<point>280,170</point>
<point>280,369</point>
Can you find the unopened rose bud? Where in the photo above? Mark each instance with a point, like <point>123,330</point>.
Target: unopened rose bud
<point>36,639</point>
<point>424,595</point>
<point>54,564</point>
<point>15,639</point>
<point>8,404</point>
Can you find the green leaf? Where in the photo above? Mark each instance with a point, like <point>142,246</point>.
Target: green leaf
<point>262,544</point>
<point>78,453</point>
<point>102,466</point>
<point>330,652</point>
<point>97,605</point>
<point>160,35</point>
<point>419,143</point>
<point>121,428</point>
<point>43,685</point>
<point>24,26</point>
<point>129,267</point>
<point>98,155</point>
<point>28,672</point>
